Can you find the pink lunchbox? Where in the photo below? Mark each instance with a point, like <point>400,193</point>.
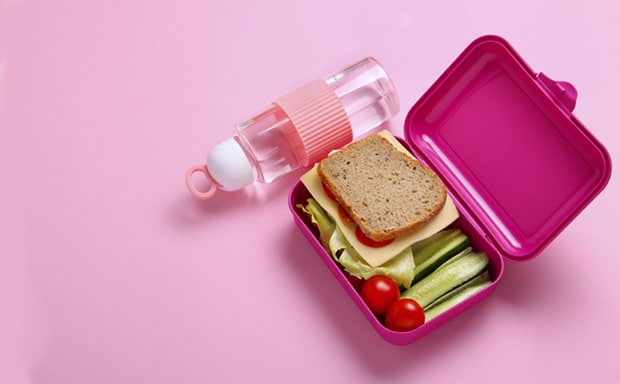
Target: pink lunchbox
<point>515,160</point>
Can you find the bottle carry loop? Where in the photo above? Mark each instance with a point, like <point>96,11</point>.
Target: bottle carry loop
<point>202,195</point>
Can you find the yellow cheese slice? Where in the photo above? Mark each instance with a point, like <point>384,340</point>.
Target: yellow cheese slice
<point>377,256</point>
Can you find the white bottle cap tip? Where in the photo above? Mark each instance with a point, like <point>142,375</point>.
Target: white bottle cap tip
<point>229,166</point>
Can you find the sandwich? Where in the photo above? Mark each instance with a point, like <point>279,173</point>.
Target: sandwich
<point>371,201</point>
<point>386,192</point>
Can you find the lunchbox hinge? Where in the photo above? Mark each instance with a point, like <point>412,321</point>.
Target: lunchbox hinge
<point>563,93</point>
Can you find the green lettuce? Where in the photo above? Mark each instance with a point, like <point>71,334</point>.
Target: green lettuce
<point>400,268</point>
<point>321,219</point>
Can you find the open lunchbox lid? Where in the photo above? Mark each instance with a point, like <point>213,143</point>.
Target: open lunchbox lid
<point>506,144</point>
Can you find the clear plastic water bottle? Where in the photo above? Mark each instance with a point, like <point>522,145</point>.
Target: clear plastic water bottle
<point>300,128</point>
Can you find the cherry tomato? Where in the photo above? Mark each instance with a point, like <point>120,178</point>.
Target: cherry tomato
<point>361,236</point>
<point>404,315</point>
<point>379,292</point>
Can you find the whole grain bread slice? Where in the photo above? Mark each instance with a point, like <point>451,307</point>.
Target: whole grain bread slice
<point>386,192</point>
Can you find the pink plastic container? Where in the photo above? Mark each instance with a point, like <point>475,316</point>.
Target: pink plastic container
<point>517,163</point>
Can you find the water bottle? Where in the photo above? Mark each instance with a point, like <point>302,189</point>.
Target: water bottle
<point>300,129</point>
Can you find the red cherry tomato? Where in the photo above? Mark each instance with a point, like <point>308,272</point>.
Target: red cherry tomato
<point>361,236</point>
<point>379,292</point>
<point>404,315</point>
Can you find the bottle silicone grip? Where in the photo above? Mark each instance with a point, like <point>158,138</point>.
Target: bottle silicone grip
<point>319,122</point>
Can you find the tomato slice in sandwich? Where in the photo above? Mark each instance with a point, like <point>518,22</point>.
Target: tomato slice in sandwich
<point>361,236</point>
<point>345,216</point>
<point>358,232</point>
<point>327,191</point>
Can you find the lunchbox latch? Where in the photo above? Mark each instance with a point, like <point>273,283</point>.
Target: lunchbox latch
<point>563,93</point>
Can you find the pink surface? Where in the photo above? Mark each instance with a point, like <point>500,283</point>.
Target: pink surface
<point>113,273</point>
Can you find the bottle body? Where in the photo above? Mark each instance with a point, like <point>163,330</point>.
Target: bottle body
<point>367,95</point>
<point>364,90</point>
<point>301,128</point>
<point>263,140</point>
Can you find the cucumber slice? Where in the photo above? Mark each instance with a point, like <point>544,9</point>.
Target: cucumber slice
<point>440,247</point>
<point>423,249</point>
<point>451,274</point>
<point>453,299</point>
<point>484,277</point>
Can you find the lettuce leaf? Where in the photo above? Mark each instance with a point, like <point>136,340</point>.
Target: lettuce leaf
<point>400,268</point>
<point>321,219</point>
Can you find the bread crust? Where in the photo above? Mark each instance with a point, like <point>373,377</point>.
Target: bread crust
<point>386,192</point>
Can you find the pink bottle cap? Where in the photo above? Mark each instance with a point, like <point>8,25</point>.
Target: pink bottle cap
<point>320,122</point>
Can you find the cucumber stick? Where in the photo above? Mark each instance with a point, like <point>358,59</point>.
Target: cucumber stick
<point>434,251</point>
<point>451,274</point>
<point>463,294</point>
<point>484,277</point>
<point>423,249</point>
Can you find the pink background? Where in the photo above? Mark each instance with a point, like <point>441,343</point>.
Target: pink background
<point>112,273</point>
